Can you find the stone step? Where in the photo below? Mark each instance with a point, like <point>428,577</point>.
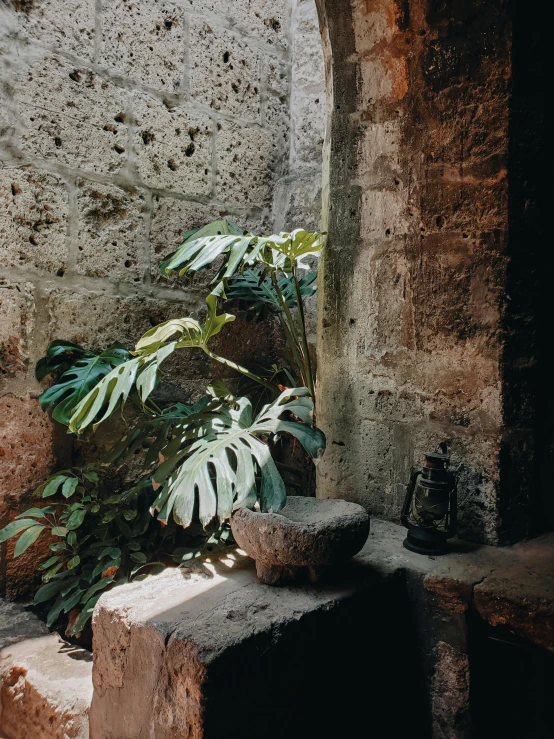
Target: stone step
<point>45,683</point>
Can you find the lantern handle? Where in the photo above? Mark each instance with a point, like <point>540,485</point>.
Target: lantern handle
<point>408,499</point>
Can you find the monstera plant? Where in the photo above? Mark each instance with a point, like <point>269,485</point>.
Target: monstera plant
<point>199,462</point>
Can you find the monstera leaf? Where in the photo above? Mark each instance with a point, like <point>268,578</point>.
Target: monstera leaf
<point>241,250</point>
<point>211,461</point>
<point>253,292</point>
<point>86,370</point>
<point>142,371</point>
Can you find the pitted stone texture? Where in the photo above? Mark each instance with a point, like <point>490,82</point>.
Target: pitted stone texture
<point>225,71</point>
<point>45,689</point>
<point>171,218</point>
<point>144,40</point>
<point>300,202</point>
<point>308,128</point>
<point>308,69</point>
<point>70,115</point>
<point>263,20</point>
<point>26,446</point>
<point>174,147</point>
<point>111,232</point>
<point>17,315</point>
<point>33,220</point>
<point>18,624</point>
<point>306,532</point>
<point>246,162</point>
<point>67,25</point>
<point>97,319</point>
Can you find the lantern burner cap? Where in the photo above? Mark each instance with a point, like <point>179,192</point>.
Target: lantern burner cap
<point>436,459</point>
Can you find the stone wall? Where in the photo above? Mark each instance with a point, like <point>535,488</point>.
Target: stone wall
<point>428,316</point>
<point>122,124</point>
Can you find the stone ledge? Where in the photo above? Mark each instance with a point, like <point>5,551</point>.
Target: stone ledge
<point>45,683</point>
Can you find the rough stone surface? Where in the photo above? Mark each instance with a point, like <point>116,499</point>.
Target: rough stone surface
<point>199,630</point>
<point>306,531</point>
<point>17,624</point>
<point>45,689</point>
<point>426,317</point>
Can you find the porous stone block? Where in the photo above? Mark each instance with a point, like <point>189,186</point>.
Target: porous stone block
<point>171,218</point>
<point>111,232</point>
<point>144,40</point>
<point>45,689</point>
<point>276,75</point>
<point>224,71</point>
<point>308,127</point>
<point>17,315</point>
<point>97,319</point>
<point>308,70</point>
<point>299,197</point>
<point>171,651</point>
<point>174,147</point>
<point>246,162</point>
<point>277,117</point>
<point>33,220</point>
<point>70,115</point>
<point>26,446</point>
<point>68,26</point>
<point>18,624</point>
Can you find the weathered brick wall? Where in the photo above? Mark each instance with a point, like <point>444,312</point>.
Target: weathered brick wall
<point>424,336</point>
<point>122,124</point>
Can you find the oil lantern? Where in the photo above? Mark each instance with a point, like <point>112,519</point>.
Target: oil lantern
<point>429,511</point>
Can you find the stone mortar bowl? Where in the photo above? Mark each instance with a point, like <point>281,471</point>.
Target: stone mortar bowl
<point>303,539</point>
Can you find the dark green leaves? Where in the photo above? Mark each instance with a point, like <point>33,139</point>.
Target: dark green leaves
<point>253,292</point>
<point>85,372</point>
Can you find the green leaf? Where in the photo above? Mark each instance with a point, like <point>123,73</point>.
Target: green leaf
<point>68,488</point>
<point>91,476</point>
<point>48,591</point>
<point>55,611</point>
<point>72,538</point>
<point>59,531</point>
<point>100,585</point>
<point>15,527</point>
<point>85,372</point>
<point>73,562</point>
<point>48,563</point>
<point>58,547</point>
<point>75,520</point>
<point>34,513</point>
<point>85,615</point>
<point>71,600</point>
<point>138,557</point>
<point>112,552</point>
<point>53,571</point>
<point>26,539</point>
<point>254,292</point>
<point>112,499</point>
<point>52,486</point>
<point>211,460</point>
<point>129,515</point>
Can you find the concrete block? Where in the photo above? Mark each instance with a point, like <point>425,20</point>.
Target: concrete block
<point>247,159</point>
<point>46,689</point>
<point>299,198</point>
<point>277,117</point>
<point>170,219</point>
<point>224,71</point>
<point>69,115</point>
<point>174,147</point>
<point>68,26</point>
<point>276,75</point>
<point>144,40</point>
<point>97,319</point>
<point>308,69</point>
<point>33,220</point>
<point>111,232</point>
<point>308,125</point>
<point>17,317</point>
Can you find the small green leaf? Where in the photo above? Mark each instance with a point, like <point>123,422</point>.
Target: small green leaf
<point>72,538</point>
<point>130,515</point>
<point>52,486</point>
<point>76,519</point>
<point>100,585</point>
<point>15,527</point>
<point>112,552</point>
<point>58,547</point>
<point>91,476</point>
<point>73,562</point>
<point>50,574</point>
<point>109,516</point>
<point>95,508</point>
<point>33,512</point>
<point>85,615</point>
<point>70,601</point>
<point>26,539</point>
<point>68,488</point>
<point>48,563</point>
<point>113,499</point>
<point>59,531</point>
<point>134,546</point>
<point>138,557</point>
<point>55,611</point>
<point>48,591</point>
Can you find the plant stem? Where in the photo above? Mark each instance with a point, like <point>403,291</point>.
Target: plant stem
<point>292,331</point>
<point>293,347</point>
<point>242,370</point>
<point>308,363</point>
